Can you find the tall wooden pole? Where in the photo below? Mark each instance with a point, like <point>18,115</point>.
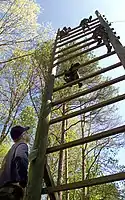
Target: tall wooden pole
<point>36,170</point>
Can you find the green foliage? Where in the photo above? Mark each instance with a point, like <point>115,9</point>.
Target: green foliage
<point>20,28</point>
<point>106,191</point>
<point>27,117</point>
<point>42,58</point>
<point>4,149</point>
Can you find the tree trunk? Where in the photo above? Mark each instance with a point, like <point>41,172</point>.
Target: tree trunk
<point>66,167</point>
<point>66,172</point>
<point>61,155</point>
<point>83,153</point>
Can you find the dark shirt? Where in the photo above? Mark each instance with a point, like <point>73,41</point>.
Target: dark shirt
<point>15,165</point>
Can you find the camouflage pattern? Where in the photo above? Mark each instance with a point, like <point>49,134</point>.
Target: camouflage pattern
<point>64,32</point>
<point>84,22</point>
<point>72,74</point>
<point>99,35</point>
<point>11,192</point>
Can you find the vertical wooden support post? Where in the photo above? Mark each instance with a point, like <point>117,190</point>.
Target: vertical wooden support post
<point>119,49</point>
<point>36,170</point>
<point>61,154</point>
<point>66,164</point>
<point>82,118</point>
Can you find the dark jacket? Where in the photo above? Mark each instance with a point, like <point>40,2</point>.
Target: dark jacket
<point>15,165</point>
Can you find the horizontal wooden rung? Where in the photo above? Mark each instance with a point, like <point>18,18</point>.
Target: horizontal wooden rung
<point>88,109</point>
<point>86,183</point>
<point>91,75</point>
<point>90,90</point>
<point>91,61</point>
<point>80,28</point>
<point>80,31</point>
<point>78,54</point>
<point>92,138</point>
<point>96,19</point>
<point>74,39</point>
<point>71,46</point>
<point>76,49</point>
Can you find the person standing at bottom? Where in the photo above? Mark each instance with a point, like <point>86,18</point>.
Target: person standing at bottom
<point>13,172</point>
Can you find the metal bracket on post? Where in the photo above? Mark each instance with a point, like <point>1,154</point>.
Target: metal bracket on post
<point>119,49</point>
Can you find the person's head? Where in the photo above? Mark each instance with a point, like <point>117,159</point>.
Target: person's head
<point>75,65</point>
<point>69,28</point>
<point>64,28</point>
<point>19,133</point>
<point>90,18</point>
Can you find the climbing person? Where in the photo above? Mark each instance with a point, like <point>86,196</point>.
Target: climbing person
<point>13,173</point>
<point>84,23</point>
<point>99,35</point>
<point>67,29</point>
<point>72,74</point>
<point>64,32</point>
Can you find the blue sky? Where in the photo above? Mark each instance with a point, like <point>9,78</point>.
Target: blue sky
<point>70,12</point>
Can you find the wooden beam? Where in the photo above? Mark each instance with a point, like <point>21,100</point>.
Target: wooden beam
<point>90,108</point>
<point>92,138</point>
<point>70,36</point>
<point>91,61</point>
<point>76,44</point>
<point>49,182</point>
<point>78,54</point>
<point>76,49</point>
<point>96,19</point>
<point>120,50</point>
<point>36,169</point>
<point>88,91</point>
<point>74,39</point>
<point>91,75</point>
<point>87,183</point>
<point>80,28</point>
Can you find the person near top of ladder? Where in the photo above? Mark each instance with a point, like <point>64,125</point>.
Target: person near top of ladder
<point>84,23</point>
<point>72,74</point>
<point>99,35</point>
<point>13,173</point>
<point>64,32</point>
